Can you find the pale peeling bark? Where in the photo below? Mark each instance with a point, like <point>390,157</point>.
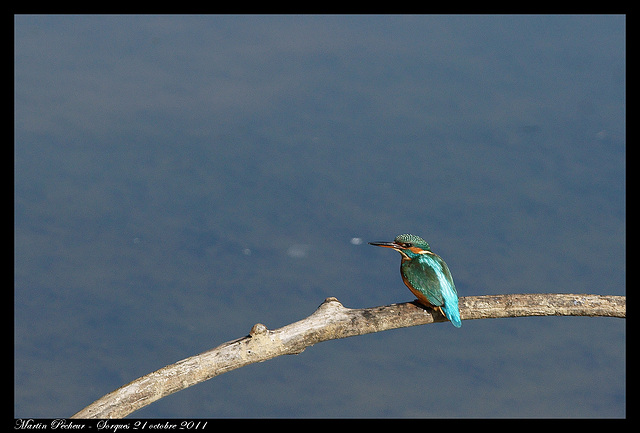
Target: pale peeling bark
<point>329,322</point>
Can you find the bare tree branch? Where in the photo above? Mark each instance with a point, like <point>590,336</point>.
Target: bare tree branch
<point>329,322</point>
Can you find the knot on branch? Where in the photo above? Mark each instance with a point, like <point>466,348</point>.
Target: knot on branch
<point>331,302</point>
<point>258,329</point>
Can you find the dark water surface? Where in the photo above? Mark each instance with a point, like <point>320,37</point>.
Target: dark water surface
<point>180,178</point>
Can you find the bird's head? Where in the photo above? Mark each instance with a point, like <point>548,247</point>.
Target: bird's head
<point>408,245</point>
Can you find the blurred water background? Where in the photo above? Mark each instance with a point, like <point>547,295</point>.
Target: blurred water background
<point>181,178</point>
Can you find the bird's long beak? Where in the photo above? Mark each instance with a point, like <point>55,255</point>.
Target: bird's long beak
<point>385,244</point>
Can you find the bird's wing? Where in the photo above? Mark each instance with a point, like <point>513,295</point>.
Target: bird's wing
<point>430,276</point>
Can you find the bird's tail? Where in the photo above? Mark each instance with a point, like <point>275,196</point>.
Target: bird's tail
<point>451,311</point>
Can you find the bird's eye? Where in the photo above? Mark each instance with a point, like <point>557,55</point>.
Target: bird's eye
<point>408,244</point>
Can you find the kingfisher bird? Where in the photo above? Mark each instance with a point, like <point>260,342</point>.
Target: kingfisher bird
<point>426,275</point>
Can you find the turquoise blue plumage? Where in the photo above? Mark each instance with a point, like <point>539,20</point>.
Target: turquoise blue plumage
<point>426,275</point>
